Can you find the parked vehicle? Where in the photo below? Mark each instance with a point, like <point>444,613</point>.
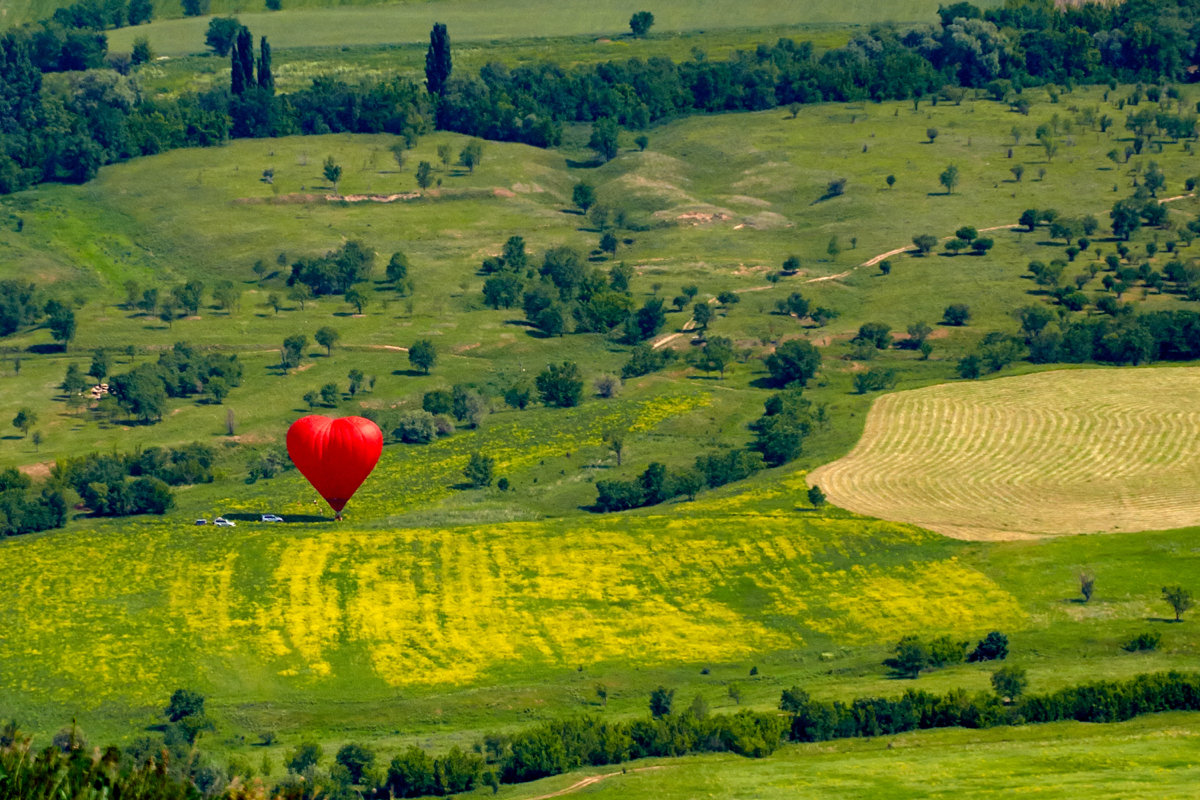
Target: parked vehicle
<point>271,518</point>
<point>200,522</point>
<point>221,522</point>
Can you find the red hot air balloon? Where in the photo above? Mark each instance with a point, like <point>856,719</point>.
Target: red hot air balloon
<point>336,455</point>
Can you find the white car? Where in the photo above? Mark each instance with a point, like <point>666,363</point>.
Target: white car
<point>271,518</point>
<point>221,522</point>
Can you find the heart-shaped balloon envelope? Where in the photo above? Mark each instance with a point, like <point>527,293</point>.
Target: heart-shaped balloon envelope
<point>336,455</point>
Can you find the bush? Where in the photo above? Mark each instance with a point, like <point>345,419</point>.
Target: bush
<point>184,703</point>
<point>416,427</point>
<point>993,647</point>
<point>1143,641</point>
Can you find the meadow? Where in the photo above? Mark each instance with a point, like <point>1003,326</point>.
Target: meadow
<point>1150,758</point>
<point>324,24</point>
<point>436,613</point>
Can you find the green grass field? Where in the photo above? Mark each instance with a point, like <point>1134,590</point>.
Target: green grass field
<point>1153,757</point>
<point>434,614</point>
<point>486,21</point>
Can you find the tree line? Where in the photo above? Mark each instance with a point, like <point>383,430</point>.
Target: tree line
<point>170,769</point>
<point>102,119</point>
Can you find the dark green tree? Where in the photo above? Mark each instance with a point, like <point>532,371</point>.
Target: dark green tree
<point>794,362</point>
<point>423,355</point>
<point>641,22</point>
<point>327,337</point>
<point>1178,598</point>
<point>604,138</point>
<point>293,350</point>
<point>660,702</point>
<point>356,759</point>
<point>480,470</point>
<point>911,656</point>
<point>221,34</point>
<point>1009,683</point>
<point>266,78</point>
<point>437,60</point>
<point>560,385</point>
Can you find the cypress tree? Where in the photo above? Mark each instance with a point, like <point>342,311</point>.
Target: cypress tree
<point>437,59</point>
<point>266,81</point>
<point>237,78</point>
<point>245,53</point>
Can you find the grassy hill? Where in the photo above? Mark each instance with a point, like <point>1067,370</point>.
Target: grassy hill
<point>436,612</point>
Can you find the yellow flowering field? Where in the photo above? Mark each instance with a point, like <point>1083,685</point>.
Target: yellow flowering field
<point>124,613</point>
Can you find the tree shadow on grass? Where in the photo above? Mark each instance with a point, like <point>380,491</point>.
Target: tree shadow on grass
<point>1167,620</point>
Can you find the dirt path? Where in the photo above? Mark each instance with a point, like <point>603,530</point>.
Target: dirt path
<point>690,325</point>
<point>588,781</point>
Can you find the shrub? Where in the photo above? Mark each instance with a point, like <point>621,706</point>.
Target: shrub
<point>1143,641</point>
<point>993,647</point>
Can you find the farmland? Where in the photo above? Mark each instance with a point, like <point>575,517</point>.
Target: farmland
<point>1062,452</point>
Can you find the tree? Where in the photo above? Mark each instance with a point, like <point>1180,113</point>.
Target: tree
<point>61,324</point>
<point>1018,172</point>
<point>641,22</point>
<point>993,647</point>
<point>560,385</point>
<point>925,243</point>
<point>397,268</point>
<point>227,296</point>
<point>816,497</point>
<point>306,754</point>
<point>73,383</point>
<point>956,314</point>
<point>37,441</point>
<point>660,702</point>
<point>794,362</point>
<point>266,78</point>
<point>607,385</point>
<point>949,178</point>
<point>608,243</point>
<point>332,172</point>
<point>584,196</point>
<point>301,294</point>
<point>716,355</point>
<point>604,138</point>
<point>1009,683</point>
<point>422,355</point>
<point>1178,598</point>
<point>222,31</point>
<point>931,134</point>
<point>471,155</point>
<point>1087,586</point>
<point>356,298</point>
<point>702,314</point>
<point>970,367</point>
<point>141,53</point>
<point>100,364</point>
<point>424,175</point>
<point>25,419</point>
<point>274,302</point>
<point>642,141</point>
<point>184,703</point>
<point>437,60</point>
<point>1029,218</point>
<point>327,337</point>
<point>911,656</point>
<point>890,180</point>
<point>329,394</point>
<point>480,470</point>
<point>356,759</point>
<point>195,8</point>
<point>293,350</point>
